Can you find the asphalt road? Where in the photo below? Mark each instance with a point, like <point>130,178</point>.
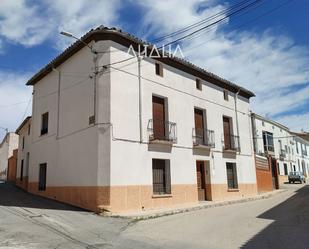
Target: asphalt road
<point>27,221</point>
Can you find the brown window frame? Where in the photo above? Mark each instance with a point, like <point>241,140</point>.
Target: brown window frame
<point>198,84</point>
<point>231,174</point>
<point>161,176</point>
<point>44,123</point>
<point>159,69</point>
<point>226,95</point>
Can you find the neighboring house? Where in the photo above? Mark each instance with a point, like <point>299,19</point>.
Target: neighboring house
<point>274,149</point>
<point>302,153</point>
<point>24,145</point>
<point>12,166</point>
<point>7,146</point>
<point>136,135</point>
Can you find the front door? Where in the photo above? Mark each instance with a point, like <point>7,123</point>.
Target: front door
<point>42,177</point>
<point>227,133</point>
<point>199,126</point>
<point>158,115</point>
<point>201,183</point>
<point>274,172</point>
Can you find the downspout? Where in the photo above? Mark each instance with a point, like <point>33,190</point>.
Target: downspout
<point>58,100</point>
<point>236,115</point>
<point>95,63</point>
<point>140,100</point>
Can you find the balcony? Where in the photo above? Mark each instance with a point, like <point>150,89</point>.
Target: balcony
<point>282,154</point>
<point>203,138</point>
<point>269,149</point>
<point>304,152</point>
<point>231,143</point>
<point>162,132</point>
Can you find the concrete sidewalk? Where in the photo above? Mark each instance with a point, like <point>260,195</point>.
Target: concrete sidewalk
<point>177,209</point>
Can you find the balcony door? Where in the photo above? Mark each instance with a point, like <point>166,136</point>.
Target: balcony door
<point>199,125</point>
<point>158,116</point>
<point>227,132</point>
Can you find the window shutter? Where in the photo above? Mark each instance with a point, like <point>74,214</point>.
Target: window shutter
<point>235,176</point>
<point>168,177</point>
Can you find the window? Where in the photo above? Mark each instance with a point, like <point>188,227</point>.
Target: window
<point>159,69</point>
<point>285,168</point>
<point>42,177</point>
<point>297,147</point>
<point>263,123</point>
<point>21,170</point>
<point>44,127</point>
<point>161,176</point>
<point>231,175</point>
<point>198,84</point>
<point>23,143</point>
<point>29,129</point>
<point>268,141</point>
<point>226,95</point>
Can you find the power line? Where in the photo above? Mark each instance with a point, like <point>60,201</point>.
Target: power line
<point>214,23</point>
<point>197,24</point>
<point>246,23</point>
<point>14,104</point>
<point>25,113</point>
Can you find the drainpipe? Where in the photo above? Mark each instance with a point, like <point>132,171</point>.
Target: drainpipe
<point>140,100</point>
<point>236,113</point>
<point>58,100</point>
<point>95,63</point>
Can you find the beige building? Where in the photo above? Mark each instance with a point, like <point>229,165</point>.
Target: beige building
<point>7,146</point>
<point>117,132</point>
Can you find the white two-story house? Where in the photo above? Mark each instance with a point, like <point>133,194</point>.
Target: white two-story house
<point>116,132</point>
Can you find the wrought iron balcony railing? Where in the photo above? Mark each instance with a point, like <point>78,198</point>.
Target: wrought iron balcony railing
<point>203,137</point>
<point>269,148</point>
<point>160,130</point>
<point>232,143</point>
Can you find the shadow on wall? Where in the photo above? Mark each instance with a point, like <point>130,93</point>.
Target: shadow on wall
<point>12,196</point>
<point>290,225</point>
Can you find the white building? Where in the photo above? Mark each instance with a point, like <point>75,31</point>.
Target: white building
<point>301,155</point>
<point>7,146</point>
<point>23,156</point>
<point>116,132</point>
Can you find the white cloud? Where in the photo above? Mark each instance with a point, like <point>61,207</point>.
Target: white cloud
<point>31,24</point>
<point>296,122</point>
<point>267,63</point>
<point>14,97</point>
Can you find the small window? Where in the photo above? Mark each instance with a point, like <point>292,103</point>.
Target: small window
<point>226,95</point>
<point>159,69</point>
<point>161,176</point>
<point>263,124</point>
<point>29,129</point>
<point>44,127</point>
<point>198,84</point>
<point>231,172</point>
<point>21,170</point>
<point>42,177</point>
<point>23,143</point>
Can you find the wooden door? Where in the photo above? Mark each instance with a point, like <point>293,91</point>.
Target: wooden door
<point>158,115</point>
<point>42,177</point>
<point>199,125</point>
<point>227,132</point>
<point>201,184</point>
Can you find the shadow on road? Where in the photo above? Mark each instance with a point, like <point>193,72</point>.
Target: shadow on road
<point>12,196</point>
<point>290,226</point>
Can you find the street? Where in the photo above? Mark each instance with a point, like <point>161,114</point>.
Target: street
<point>282,221</point>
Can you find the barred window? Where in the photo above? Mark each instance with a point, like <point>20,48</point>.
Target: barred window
<point>231,175</point>
<point>161,176</point>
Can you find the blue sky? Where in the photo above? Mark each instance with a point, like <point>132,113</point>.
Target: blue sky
<point>265,50</point>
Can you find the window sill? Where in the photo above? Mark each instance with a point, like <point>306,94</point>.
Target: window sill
<point>232,190</point>
<point>162,196</point>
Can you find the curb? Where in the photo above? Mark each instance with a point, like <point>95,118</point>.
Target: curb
<point>194,208</point>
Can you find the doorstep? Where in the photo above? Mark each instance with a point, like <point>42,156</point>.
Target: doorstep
<point>177,209</point>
